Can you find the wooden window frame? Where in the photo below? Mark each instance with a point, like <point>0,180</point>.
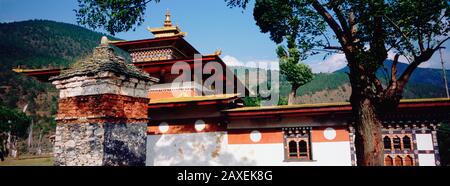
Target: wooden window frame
<point>289,135</point>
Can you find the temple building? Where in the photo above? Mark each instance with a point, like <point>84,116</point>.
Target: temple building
<point>193,124</point>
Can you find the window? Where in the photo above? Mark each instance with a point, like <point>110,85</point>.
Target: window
<point>408,161</point>
<point>388,161</point>
<point>398,161</point>
<point>297,143</point>
<point>397,143</point>
<point>406,143</point>
<point>293,149</point>
<point>303,148</point>
<point>387,142</point>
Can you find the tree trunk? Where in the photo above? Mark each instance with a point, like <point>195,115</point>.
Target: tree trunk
<point>14,151</point>
<point>30,136</point>
<point>293,94</point>
<point>39,150</point>
<point>368,139</point>
<point>8,144</point>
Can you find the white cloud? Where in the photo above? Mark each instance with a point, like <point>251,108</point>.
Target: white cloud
<point>336,62</point>
<point>264,64</point>
<point>330,64</point>
<point>231,61</point>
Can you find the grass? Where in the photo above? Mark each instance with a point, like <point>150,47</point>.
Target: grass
<point>28,161</point>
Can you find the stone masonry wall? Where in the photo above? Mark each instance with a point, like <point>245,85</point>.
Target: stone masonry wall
<point>102,115</point>
<point>79,144</point>
<point>125,144</point>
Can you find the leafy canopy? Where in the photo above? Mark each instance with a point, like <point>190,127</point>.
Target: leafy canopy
<point>112,15</point>
<point>13,121</point>
<point>296,73</point>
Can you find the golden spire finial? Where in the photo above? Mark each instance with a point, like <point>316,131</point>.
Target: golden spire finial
<point>167,22</point>
<point>218,52</point>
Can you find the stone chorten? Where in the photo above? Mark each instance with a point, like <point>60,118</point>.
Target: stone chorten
<point>102,116</point>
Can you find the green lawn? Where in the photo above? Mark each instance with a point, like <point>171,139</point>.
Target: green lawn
<point>32,161</point>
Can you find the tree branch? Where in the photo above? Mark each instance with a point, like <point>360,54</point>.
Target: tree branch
<point>410,45</point>
<point>377,83</point>
<point>352,24</point>
<point>394,69</point>
<point>341,18</point>
<point>333,48</point>
<point>331,22</point>
<point>420,41</point>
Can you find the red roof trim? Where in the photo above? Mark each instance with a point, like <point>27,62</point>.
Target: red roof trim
<point>190,103</point>
<point>119,44</point>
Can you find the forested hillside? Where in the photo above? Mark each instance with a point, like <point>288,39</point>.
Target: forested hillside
<point>38,44</point>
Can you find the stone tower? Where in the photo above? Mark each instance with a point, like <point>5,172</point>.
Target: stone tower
<point>102,116</point>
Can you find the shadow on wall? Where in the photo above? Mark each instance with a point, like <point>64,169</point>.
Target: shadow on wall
<point>118,154</point>
<point>193,149</point>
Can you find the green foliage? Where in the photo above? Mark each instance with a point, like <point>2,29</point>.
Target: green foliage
<point>13,121</point>
<point>298,74</point>
<point>237,3</point>
<point>293,18</point>
<point>283,101</point>
<point>324,81</point>
<point>444,143</point>
<point>252,101</point>
<point>112,15</point>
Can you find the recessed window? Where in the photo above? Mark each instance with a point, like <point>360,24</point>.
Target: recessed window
<point>398,161</point>
<point>298,145</point>
<point>293,149</point>
<point>387,142</point>
<point>409,161</point>
<point>388,161</point>
<point>407,143</point>
<point>397,143</point>
<point>303,148</point>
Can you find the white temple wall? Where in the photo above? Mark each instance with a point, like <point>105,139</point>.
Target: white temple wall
<point>212,148</point>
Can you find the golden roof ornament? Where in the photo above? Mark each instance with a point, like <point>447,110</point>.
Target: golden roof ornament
<point>104,41</point>
<point>168,30</point>
<point>218,52</point>
<point>167,22</point>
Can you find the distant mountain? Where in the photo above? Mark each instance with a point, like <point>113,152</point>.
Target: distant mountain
<point>335,87</point>
<point>427,76</point>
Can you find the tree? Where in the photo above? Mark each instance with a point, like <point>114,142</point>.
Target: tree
<point>296,73</point>
<point>13,125</point>
<point>111,15</point>
<point>364,31</point>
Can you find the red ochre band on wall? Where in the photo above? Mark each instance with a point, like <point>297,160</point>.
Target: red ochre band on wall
<point>265,136</point>
<point>102,108</point>
<point>244,136</point>
<point>183,128</point>
<point>341,134</point>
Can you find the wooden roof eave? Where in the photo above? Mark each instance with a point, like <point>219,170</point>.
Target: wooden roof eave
<point>439,104</point>
<point>41,74</point>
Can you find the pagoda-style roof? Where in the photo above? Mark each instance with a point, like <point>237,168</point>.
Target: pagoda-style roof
<point>40,74</point>
<point>167,30</point>
<point>177,43</point>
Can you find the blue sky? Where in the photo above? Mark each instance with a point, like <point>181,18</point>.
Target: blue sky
<point>210,25</point>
